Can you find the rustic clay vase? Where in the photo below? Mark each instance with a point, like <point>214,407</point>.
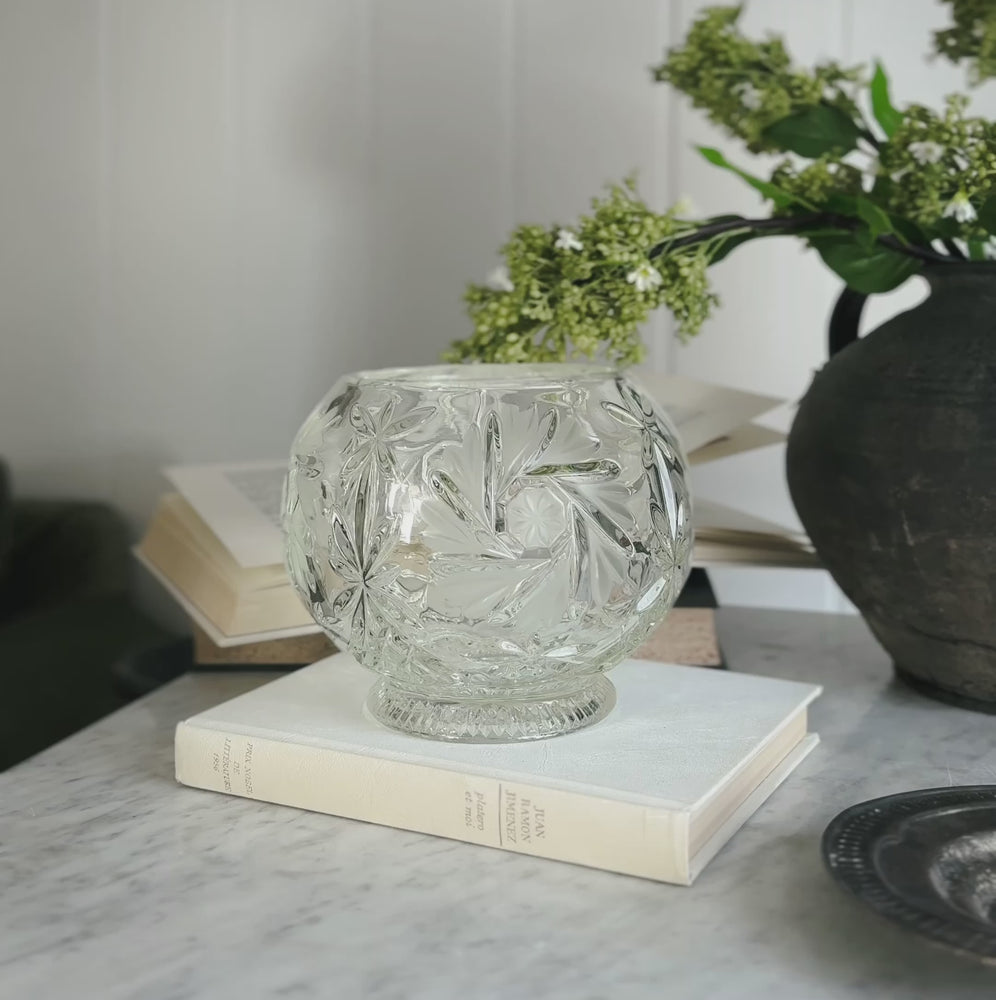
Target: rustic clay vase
<point>892,468</point>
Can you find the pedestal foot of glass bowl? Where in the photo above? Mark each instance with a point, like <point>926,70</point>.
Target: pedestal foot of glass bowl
<point>492,721</point>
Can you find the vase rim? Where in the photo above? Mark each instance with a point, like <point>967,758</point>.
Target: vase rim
<point>479,375</point>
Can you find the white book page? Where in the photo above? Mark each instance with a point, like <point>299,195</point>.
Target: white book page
<point>207,626</point>
<point>703,412</point>
<point>712,518</point>
<point>240,502</point>
<point>708,555</point>
<point>736,442</point>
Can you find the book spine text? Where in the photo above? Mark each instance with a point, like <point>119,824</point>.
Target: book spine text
<point>549,823</point>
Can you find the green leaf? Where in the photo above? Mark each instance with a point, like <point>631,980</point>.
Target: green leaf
<point>987,215</point>
<point>876,270</point>
<point>909,232</point>
<point>842,204</point>
<point>977,250</point>
<point>770,191</point>
<point>945,229</point>
<point>885,114</point>
<point>814,131</point>
<point>878,221</point>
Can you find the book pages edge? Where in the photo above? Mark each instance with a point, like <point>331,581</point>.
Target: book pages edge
<point>752,804</point>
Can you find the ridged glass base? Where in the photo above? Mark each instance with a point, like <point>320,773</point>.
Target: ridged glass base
<point>492,721</point>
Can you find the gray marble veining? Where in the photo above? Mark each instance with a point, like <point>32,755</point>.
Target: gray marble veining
<point>117,883</point>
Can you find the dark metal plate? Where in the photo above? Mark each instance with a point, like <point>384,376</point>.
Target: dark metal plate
<point>925,860</point>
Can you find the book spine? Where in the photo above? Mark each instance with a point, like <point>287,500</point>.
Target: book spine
<point>549,823</point>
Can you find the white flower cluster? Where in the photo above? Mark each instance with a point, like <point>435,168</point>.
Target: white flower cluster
<point>645,277</point>
<point>568,240</point>
<point>499,280</point>
<point>960,209</point>
<point>926,152</point>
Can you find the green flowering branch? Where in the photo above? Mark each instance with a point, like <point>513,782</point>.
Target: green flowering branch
<point>587,288</point>
<point>581,290</point>
<point>748,87</point>
<point>878,200</point>
<point>971,38</point>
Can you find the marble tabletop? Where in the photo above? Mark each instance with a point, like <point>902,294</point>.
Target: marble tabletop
<point>115,882</point>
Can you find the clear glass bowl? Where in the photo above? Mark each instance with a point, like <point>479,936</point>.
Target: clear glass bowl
<point>489,539</point>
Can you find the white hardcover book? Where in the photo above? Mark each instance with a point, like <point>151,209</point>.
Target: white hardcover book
<point>655,790</point>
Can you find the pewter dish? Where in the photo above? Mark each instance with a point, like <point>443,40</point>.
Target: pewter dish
<point>925,860</point>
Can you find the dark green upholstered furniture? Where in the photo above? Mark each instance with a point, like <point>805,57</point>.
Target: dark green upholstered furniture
<point>66,616</point>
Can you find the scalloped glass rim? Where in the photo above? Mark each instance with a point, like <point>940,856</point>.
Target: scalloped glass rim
<point>479,376</point>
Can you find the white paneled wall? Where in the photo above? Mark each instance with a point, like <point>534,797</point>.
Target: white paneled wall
<point>440,129</point>
<point>210,208</point>
<point>769,335</point>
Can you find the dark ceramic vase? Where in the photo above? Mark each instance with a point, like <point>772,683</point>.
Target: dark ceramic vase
<point>892,468</point>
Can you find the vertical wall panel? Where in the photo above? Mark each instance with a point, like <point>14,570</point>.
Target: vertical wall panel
<point>901,37</point>
<point>586,112</point>
<point>168,182</point>
<point>49,267</point>
<point>302,215</point>
<point>439,171</point>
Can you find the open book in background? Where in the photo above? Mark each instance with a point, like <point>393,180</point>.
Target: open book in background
<point>713,421</point>
<point>215,542</point>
